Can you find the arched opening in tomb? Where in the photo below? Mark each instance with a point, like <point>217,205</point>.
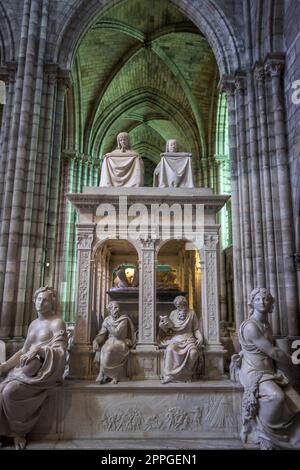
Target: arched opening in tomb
<point>116,278</point>
<point>155,76</point>
<point>178,272</point>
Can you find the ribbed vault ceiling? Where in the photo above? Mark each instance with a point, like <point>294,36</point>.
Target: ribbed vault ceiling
<point>145,69</point>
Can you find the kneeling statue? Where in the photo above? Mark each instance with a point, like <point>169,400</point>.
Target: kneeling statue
<point>184,347</point>
<point>116,337</point>
<point>270,406</point>
<point>34,370</point>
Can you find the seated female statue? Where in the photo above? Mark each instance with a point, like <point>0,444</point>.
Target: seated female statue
<point>32,371</point>
<point>270,407</point>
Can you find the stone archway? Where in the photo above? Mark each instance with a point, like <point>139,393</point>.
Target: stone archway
<point>210,17</point>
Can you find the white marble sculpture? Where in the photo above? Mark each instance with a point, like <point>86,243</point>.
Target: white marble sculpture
<point>174,168</point>
<point>34,370</point>
<point>123,166</point>
<point>183,348</point>
<point>116,337</point>
<point>270,407</point>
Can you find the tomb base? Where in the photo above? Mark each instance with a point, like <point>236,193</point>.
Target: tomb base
<point>199,413</point>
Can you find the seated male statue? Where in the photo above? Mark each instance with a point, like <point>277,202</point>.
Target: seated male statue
<point>183,349</point>
<point>174,169</point>
<point>112,345</point>
<point>31,372</point>
<point>123,166</point>
<point>270,406</point>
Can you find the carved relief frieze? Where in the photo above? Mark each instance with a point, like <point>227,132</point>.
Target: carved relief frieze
<point>211,412</point>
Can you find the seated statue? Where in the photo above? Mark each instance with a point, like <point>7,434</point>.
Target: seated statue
<point>183,349</point>
<point>270,406</point>
<point>123,166</point>
<point>116,337</point>
<point>174,169</point>
<point>32,371</point>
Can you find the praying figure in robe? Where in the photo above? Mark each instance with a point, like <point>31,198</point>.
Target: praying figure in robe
<point>123,166</point>
<point>112,345</point>
<point>31,372</point>
<point>270,405</point>
<point>174,169</point>
<point>183,349</point>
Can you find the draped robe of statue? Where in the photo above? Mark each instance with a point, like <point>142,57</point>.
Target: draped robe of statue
<point>181,354</point>
<point>174,170</point>
<point>122,168</point>
<point>22,395</point>
<point>268,398</point>
<point>120,335</point>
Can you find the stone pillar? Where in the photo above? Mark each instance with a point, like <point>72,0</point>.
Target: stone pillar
<point>266,187</point>
<point>214,351</point>
<point>274,67</point>
<point>81,355</point>
<point>227,85</point>
<point>147,354</point>
<point>244,196</point>
<point>259,278</point>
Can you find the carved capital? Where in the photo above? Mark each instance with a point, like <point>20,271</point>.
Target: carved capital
<point>211,241</point>
<point>54,74</point>
<point>240,83</point>
<point>148,243</point>
<point>226,85</point>
<point>259,72</point>
<point>64,78</point>
<point>85,241</point>
<point>274,65</point>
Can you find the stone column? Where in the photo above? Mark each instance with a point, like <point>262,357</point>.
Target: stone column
<point>214,351</point>
<point>274,67</point>
<point>259,277</point>
<point>266,187</point>
<point>227,85</point>
<point>81,355</point>
<point>147,354</point>
<point>244,197</point>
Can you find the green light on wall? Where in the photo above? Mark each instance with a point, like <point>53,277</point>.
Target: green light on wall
<point>222,156</point>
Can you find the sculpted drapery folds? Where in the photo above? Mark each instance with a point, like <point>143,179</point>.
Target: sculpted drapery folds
<point>123,166</point>
<point>270,407</point>
<point>34,370</point>
<point>116,337</point>
<point>183,348</point>
<point>174,168</point>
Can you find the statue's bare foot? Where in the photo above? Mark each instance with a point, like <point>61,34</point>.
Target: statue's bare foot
<point>167,379</point>
<point>20,443</point>
<point>114,381</point>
